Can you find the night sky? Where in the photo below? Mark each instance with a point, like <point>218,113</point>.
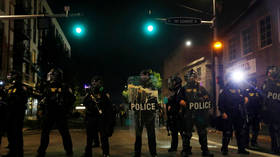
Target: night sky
<point>115,45</point>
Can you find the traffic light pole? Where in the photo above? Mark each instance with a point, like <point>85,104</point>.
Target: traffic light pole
<point>7,17</point>
<point>215,64</point>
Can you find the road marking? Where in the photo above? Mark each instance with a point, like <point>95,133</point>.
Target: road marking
<point>234,147</point>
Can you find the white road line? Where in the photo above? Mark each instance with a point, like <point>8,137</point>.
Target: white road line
<point>234,147</point>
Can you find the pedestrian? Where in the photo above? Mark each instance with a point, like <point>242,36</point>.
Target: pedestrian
<point>271,91</point>
<point>100,117</point>
<point>195,103</point>
<point>172,109</point>
<point>145,115</point>
<point>254,107</point>
<point>16,105</point>
<point>55,109</point>
<point>231,105</point>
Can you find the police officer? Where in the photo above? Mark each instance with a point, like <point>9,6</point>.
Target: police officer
<point>253,107</point>
<point>3,110</point>
<point>55,108</point>
<point>99,116</point>
<point>271,91</point>
<point>173,107</point>
<point>145,118</point>
<point>195,104</point>
<point>231,105</point>
<point>16,106</point>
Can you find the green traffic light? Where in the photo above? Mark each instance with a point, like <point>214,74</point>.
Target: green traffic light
<point>79,30</point>
<point>150,28</point>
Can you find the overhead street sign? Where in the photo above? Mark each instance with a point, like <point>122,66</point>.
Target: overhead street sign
<point>183,21</point>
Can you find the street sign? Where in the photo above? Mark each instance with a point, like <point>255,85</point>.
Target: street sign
<point>183,21</point>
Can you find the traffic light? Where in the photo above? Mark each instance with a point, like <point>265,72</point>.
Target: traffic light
<point>150,28</point>
<point>217,47</point>
<point>78,30</point>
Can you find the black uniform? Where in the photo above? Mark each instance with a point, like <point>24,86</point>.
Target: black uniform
<point>231,102</point>
<point>3,112</point>
<point>99,119</point>
<point>145,118</point>
<point>56,106</point>
<point>16,106</point>
<point>195,113</point>
<point>174,117</point>
<point>271,90</point>
<point>253,107</point>
<point>173,120</point>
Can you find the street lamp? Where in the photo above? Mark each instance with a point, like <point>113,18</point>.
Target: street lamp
<point>188,43</point>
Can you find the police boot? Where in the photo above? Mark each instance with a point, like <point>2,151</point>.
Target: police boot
<point>69,154</point>
<point>225,143</point>
<point>40,155</point>
<point>186,153</point>
<point>207,153</point>
<point>243,151</point>
<point>87,154</point>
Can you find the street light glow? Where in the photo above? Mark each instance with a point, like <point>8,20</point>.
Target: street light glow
<point>78,30</point>
<point>217,45</point>
<point>188,43</point>
<point>150,28</point>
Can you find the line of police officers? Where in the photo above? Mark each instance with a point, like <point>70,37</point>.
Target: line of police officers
<point>240,111</point>
<point>188,106</point>
<point>54,110</point>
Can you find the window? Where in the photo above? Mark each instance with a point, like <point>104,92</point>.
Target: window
<point>247,41</point>
<point>2,5</point>
<point>232,49</point>
<point>265,31</point>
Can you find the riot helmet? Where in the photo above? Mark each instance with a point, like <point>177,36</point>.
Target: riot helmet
<point>174,82</point>
<point>272,72</point>
<point>145,75</point>
<point>191,76</point>
<point>97,83</point>
<point>14,77</point>
<point>55,75</point>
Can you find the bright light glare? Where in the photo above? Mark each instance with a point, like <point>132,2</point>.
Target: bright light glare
<point>238,76</point>
<point>78,30</point>
<point>150,28</point>
<point>188,43</point>
<point>80,107</point>
<point>218,45</point>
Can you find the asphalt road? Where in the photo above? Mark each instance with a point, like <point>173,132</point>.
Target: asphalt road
<point>122,144</point>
